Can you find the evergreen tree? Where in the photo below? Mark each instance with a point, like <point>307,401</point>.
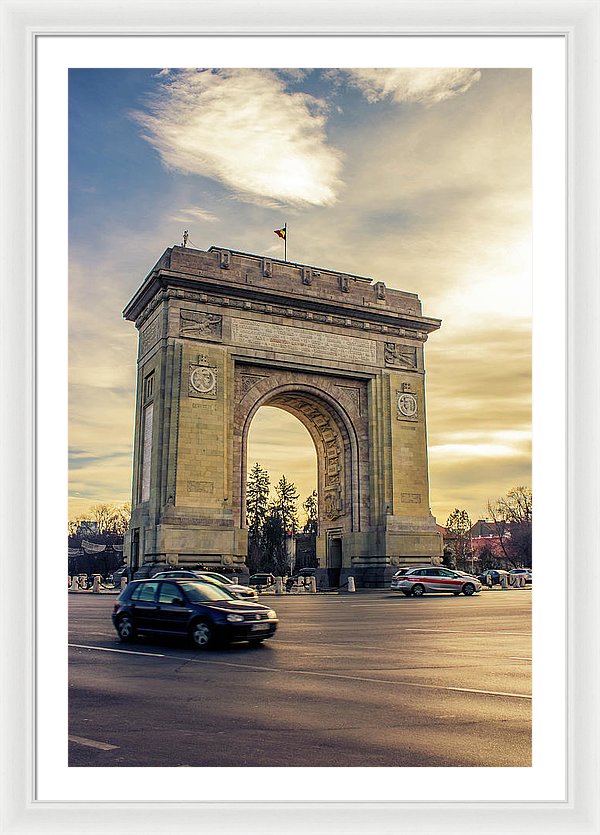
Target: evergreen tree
<point>257,500</point>
<point>286,504</point>
<point>311,508</point>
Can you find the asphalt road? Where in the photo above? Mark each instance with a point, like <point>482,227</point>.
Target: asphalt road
<point>370,679</point>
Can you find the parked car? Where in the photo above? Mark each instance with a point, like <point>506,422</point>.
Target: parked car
<point>307,572</point>
<point>262,580</point>
<point>418,581</point>
<point>522,572</point>
<point>494,573</point>
<point>237,590</point>
<point>205,612</point>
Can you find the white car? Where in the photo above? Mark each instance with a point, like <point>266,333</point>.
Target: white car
<point>419,581</point>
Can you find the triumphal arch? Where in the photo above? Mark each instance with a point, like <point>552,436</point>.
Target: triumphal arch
<point>222,333</point>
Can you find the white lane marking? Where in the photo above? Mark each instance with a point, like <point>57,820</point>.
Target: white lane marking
<point>361,678</point>
<point>91,743</point>
<point>261,669</point>
<point>519,658</point>
<point>124,651</point>
<point>465,631</point>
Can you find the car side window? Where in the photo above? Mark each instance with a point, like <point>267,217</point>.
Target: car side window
<point>443,572</point>
<point>169,592</point>
<point>145,593</point>
<point>431,572</point>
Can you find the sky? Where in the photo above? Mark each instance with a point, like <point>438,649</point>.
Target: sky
<point>419,178</point>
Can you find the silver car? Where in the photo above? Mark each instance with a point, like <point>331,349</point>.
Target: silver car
<point>213,577</point>
<point>418,581</point>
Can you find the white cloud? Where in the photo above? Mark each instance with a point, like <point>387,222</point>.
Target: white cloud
<point>243,129</point>
<point>194,213</point>
<point>424,86</point>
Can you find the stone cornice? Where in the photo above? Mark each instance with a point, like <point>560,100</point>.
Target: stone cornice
<point>416,328</point>
<point>164,284</point>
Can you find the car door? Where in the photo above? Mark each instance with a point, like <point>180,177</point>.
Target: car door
<point>430,579</point>
<point>143,605</point>
<point>450,580</point>
<point>173,610</point>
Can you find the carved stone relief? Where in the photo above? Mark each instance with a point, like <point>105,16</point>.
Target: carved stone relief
<point>202,381</point>
<point>403,356</point>
<point>406,405</point>
<point>193,324</point>
<point>248,381</point>
<point>353,394</point>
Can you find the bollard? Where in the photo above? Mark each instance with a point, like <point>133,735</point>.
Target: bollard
<point>70,581</point>
<point>96,583</point>
<point>123,582</point>
<point>503,582</point>
<point>81,582</point>
<point>351,585</point>
<point>313,585</point>
<point>278,585</point>
<point>522,580</point>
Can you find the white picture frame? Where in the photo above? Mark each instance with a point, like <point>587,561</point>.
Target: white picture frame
<point>21,24</point>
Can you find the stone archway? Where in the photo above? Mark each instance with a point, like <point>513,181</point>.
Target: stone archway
<point>223,333</point>
<point>330,409</point>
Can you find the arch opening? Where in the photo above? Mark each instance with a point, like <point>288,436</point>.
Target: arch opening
<point>282,445</point>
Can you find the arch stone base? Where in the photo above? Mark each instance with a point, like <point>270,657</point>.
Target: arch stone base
<point>222,333</point>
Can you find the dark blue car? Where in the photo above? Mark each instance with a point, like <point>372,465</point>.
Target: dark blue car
<point>205,613</point>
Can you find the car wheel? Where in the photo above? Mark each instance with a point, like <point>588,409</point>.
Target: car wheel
<point>418,590</point>
<point>202,634</point>
<point>468,589</point>
<point>126,629</point>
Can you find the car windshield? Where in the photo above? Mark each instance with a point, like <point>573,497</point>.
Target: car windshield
<point>199,592</point>
<point>214,577</point>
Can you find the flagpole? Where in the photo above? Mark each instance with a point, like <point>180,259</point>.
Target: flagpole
<point>285,242</point>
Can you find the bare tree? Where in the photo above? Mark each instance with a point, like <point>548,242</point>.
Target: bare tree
<point>512,517</point>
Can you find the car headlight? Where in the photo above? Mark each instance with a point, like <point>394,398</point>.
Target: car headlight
<point>271,614</point>
<point>235,618</point>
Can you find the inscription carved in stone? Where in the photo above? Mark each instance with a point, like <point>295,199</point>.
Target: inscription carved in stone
<point>200,486</point>
<point>194,324</point>
<point>403,356</point>
<point>149,336</point>
<point>410,498</point>
<point>302,341</point>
